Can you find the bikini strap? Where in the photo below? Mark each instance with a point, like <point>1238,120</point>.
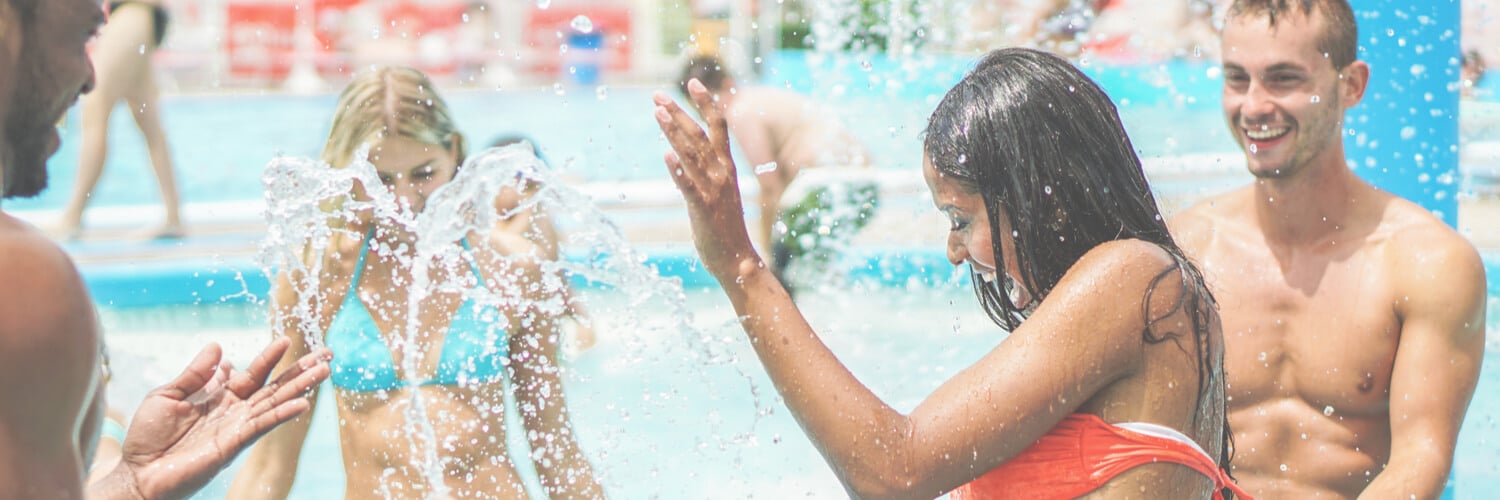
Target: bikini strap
<point>359,265</point>
<point>472,259</point>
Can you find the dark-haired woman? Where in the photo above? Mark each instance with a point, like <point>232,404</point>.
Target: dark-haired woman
<point>1111,381</point>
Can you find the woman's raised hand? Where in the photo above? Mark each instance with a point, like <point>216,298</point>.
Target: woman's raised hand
<point>704,172</point>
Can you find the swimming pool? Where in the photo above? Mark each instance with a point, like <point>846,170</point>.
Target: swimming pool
<point>671,417</point>
<point>221,142</point>
<point>660,416</point>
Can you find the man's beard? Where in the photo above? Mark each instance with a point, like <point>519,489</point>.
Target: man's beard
<point>28,132</point>
<point>25,163</point>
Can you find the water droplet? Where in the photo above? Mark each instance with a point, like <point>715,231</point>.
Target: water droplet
<point>963,158</point>
<point>1283,467</point>
<point>1316,99</point>
<point>1408,132</point>
<point>1262,356</point>
<point>558,88</point>
<point>1254,149</point>
<point>543,4</point>
<point>143,48</point>
<point>582,24</point>
<point>601,92</point>
<point>766,167</point>
<point>1328,411</point>
<point>1047,189</point>
<point>866,65</point>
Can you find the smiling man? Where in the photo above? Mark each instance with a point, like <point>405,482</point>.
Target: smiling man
<point>50,404</point>
<point>1353,319</point>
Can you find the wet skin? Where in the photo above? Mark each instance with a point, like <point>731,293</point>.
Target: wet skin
<point>1353,320</point>
<point>1084,346</point>
<point>383,457</point>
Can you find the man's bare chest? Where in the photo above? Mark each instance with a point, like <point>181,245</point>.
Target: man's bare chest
<point>1324,333</point>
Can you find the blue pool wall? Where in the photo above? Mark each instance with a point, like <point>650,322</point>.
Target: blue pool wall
<point>232,281</point>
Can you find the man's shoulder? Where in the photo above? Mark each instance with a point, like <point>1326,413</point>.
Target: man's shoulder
<point>26,249</point>
<point>1206,216</point>
<point>1410,228</point>
<point>42,288</point>
<point>1429,261</point>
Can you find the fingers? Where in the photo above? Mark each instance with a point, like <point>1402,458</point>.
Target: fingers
<point>198,373</point>
<point>713,115</point>
<point>262,423</point>
<point>297,381</point>
<point>687,140</point>
<point>679,175</point>
<point>246,383</point>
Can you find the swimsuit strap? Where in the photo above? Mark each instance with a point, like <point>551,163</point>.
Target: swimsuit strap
<point>359,265</point>
<point>472,259</point>
<point>1163,432</point>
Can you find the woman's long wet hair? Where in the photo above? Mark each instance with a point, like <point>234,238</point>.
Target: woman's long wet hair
<point>1042,143</point>
<point>390,101</point>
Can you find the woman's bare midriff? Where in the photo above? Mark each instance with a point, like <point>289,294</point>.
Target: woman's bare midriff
<point>382,457</point>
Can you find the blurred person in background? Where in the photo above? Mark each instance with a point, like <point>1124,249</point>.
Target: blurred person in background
<point>1140,31</point>
<point>814,177</point>
<point>522,216</point>
<point>124,72</point>
<point>469,354</point>
<point>1481,42</point>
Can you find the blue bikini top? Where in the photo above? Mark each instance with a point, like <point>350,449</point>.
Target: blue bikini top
<point>475,349</point>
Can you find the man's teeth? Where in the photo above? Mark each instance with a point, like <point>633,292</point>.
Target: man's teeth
<point>1265,133</point>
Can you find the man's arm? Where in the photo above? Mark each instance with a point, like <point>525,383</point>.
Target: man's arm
<point>1441,306</point>
<point>49,358</point>
<point>752,132</point>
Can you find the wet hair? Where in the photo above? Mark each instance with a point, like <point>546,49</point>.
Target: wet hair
<point>707,69</point>
<point>390,101</point>
<point>1043,144</point>
<point>1340,37</point>
<point>508,139</point>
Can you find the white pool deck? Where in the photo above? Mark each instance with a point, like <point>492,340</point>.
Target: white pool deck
<point>651,214</point>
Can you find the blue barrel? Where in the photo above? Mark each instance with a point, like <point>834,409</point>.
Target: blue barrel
<point>1404,136</point>
<point>585,57</point>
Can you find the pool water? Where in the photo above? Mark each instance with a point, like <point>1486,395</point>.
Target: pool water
<point>221,143</point>
<point>665,415</point>
<point>646,406</point>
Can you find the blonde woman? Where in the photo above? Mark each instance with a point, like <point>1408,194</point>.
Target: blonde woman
<point>463,364</point>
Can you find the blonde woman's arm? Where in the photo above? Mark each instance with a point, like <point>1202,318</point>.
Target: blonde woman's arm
<point>271,466</point>
<point>536,303</point>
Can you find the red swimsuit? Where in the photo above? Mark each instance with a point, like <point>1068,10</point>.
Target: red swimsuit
<point>1083,452</point>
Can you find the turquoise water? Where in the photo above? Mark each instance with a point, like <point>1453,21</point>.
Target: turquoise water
<point>221,142</point>
<point>661,415</point>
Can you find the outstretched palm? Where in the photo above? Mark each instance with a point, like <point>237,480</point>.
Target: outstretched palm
<point>185,432</point>
<point>701,165</point>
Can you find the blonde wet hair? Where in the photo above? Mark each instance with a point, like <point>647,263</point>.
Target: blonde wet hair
<point>390,101</point>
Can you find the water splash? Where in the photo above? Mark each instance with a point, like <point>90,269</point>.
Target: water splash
<point>314,213</point>
<point>582,24</point>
